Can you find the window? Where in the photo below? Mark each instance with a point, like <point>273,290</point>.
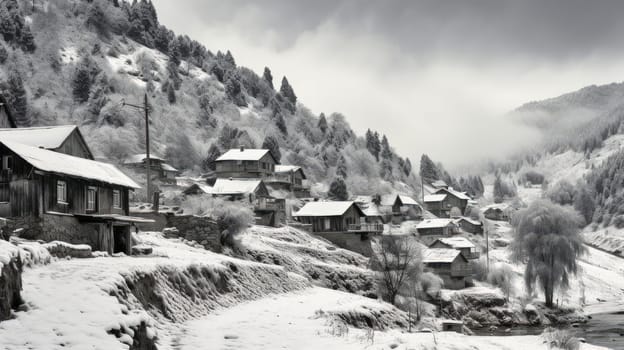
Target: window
<point>116,199</point>
<point>7,162</point>
<point>61,191</point>
<point>4,192</point>
<point>327,224</point>
<point>92,198</point>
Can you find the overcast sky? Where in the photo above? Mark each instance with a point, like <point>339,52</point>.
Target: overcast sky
<point>434,76</point>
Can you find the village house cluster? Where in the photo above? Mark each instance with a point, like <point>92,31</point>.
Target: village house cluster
<point>52,188</point>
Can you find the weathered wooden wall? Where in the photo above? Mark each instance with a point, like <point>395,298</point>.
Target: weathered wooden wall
<point>75,146</point>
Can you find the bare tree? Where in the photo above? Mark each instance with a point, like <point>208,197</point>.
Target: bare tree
<point>398,263</point>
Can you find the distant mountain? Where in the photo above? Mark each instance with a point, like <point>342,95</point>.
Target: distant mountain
<point>77,61</point>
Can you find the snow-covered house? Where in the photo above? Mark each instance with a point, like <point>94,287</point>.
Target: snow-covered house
<point>436,227</point>
<point>65,139</point>
<point>290,178</point>
<point>269,211</point>
<point>443,200</point>
<point>450,264</point>
<point>401,207</point>
<point>50,196</point>
<point>342,223</point>
<point>246,163</point>
<point>158,167</point>
<point>466,247</point>
<point>469,225</point>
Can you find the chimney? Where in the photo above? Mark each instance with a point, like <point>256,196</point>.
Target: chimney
<point>242,148</point>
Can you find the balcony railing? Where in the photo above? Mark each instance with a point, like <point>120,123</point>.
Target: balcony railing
<point>366,228</point>
<point>270,204</point>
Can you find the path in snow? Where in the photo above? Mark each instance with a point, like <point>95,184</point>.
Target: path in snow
<point>288,321</point>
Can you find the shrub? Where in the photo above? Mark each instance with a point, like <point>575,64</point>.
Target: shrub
<point>561,339</point>
<point>563,192</point>
<point>232,218</point>
<point>501,275</point>
<point>479,268</point>
<point>430,283</point>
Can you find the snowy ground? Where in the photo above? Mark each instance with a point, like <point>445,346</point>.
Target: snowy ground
<point>291,321</point>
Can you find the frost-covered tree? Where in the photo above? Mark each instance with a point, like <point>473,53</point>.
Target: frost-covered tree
<point>547,238</point>
<point>213,153</point>
<point>341,167</point>
<point>4,54</point>
<point>322,124</point>
<point>338,190</point>
<point>229,59</point>
<point>280,122</point>
<point>397,262</point>
<point>18,101</point>
<point>173,51</point>
<point>171,96</point>
<point>373,145</point>
<point>503,189</point>
<point>428,170</point>
<point>562,192</point>
<point>27,40</point>
<point>584,203</point>
<point>268,77</point>
<point>287,91</point>
<point>270,143</point>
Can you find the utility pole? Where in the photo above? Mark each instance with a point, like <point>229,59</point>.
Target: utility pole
<point>145,108</point>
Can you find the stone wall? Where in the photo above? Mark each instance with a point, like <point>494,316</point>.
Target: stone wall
<point>160,221</point>
<point>10,287</point>
<point>356,242</point>
<point>200,229</point>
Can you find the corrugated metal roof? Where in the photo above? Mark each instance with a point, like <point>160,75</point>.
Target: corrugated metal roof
<point>440,255</point>
<point>324,208</point>
<point>456,242</point>
<point>243,154</point>
<point>49,137</point>
<point>434,223</point>
<point>432,198</point>
<point>54,162</point>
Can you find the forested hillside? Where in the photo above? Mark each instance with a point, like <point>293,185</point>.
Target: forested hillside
<point>77,61</point>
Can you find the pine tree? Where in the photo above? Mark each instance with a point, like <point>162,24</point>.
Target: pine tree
<point>27,40</point>
<point>18,100</point>
<point>229,59</point>
<point>281,123</point>
<point>171,96</point>
<point>322,124</point>
<point>386,152</point>
<point>408,167</point>
<point>268,77</point>
<point>213,153</point>
<point>234,90</point>
<point>173,52</point>
<point>338,190</point>
<point>371,144</point>
<point>341,167</point>
<point>82,80</point>
<point>272,145</point>
<point>4,54</point>
<point>287,91</point>
<point>428,170</point>
<point>162,39</point>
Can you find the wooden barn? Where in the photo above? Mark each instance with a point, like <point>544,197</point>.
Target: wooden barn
<point>443,200</point>
<point>433,228</point>
<point>401,207</point>
<point>469,225</point>
<point>65,139</point>
<point>50,196</point>
<point>343,216</point>
<point>450,265</point>
<point>158,167</point>
<point>467,248</point>
<point>246,163</point>
<point>290,178</point>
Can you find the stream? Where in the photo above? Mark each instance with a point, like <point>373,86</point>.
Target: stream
<point>603,329</point>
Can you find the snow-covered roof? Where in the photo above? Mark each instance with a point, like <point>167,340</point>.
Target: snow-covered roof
<point>363,199</point>
<point>440,255</point>
<point>434,223</point>
<point>496,206</point>
<point>139,158</point>
<point>371,210</point>
<point>432,198</point>
<point>235,186</point>
<point>54,162</point>
<point>244,154</point>
<point>472,221</point>
<point>288,169</point>
<point>407,200</point>
<point>202,187</point>
<point>439,183</point>
<point>167,167</point>
<point>456,242</point>
<point>325,208</point>
<point>49,137</point>
<point>460,195</point>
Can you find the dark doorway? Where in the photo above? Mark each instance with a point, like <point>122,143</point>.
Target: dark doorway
<point>121,236</point>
